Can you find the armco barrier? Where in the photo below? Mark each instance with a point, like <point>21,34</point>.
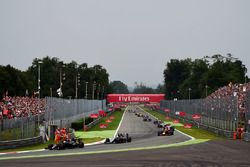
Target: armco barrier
<point>20,143</point>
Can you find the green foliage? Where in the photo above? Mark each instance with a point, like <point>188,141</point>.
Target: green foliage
<point>201,77</point>
<point>17,82</point>
<point>118,87</point>
<point>160,89</point>
<point>143,89</point>
<point>175,74</point>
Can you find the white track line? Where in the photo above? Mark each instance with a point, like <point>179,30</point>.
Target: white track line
<point>120,122</point>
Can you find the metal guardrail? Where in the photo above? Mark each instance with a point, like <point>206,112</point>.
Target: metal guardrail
<point>20,143</point>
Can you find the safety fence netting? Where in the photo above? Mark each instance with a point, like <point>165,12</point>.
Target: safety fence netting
<point>58,112</point>
<point>222,116</point>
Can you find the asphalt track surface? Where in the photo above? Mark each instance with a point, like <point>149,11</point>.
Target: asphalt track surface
<point>213,153</point>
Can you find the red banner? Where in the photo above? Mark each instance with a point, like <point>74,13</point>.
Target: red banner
<point>111,117</point>
<point>167,110</point>
<point>176,121</point>
<point>196,116</point>
<point>94,115</point>
<point>181,113</point>
<point>102,113</point>
<point>103,126</point>
<point>108,121</point>
<point>135,97</point>
<point>188,126</point>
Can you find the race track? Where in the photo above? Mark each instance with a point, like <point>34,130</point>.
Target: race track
<point>144,134</point>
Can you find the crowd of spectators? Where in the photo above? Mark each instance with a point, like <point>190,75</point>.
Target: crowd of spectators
<point>14,107</point>
<point>236,90</point>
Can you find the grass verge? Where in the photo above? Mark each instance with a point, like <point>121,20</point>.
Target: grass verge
<point>108,132</point>
<point>112,125</point>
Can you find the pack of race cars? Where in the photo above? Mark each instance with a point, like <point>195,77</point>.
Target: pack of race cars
<point>167,129</point>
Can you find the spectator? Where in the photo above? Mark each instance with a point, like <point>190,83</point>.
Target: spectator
<point>13,107</point>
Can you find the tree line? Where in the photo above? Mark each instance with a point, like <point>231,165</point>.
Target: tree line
<point>198,78</point>
<point>75,80</point>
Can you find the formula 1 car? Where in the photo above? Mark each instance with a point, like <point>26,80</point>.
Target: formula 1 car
<point>159,123</point>
<point>138,114</point>
<point>67,144</point>
<point>121,138</point>
<point>167,130</point>
<point>147,118</point>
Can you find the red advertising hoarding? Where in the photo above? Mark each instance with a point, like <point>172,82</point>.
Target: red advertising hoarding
<point>151,98</point>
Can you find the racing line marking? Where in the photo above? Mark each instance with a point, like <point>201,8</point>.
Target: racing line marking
<point>120,122</point>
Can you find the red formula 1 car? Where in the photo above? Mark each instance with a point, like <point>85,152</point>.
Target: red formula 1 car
<point>167,130</point>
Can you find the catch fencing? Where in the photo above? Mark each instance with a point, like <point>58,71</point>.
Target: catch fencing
<point>246,135</point>
<point>58,113</point>
<point>62,112</point>
<point>217,115</point>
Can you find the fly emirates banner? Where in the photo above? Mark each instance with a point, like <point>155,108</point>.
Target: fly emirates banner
<point>152,98</point>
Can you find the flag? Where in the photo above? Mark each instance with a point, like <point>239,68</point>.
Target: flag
<point>27,92</point>
<point>59,92</point>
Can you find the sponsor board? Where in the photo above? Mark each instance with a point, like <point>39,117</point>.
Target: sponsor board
<point>180,113</point>
<point>176,121</point>
<point>103,126</point>
<point>188,126</point>
<point>167,110</point>
<point>135,97</point>
<point>108,121</point>
<point>196,116</point>
<point>94,115</point>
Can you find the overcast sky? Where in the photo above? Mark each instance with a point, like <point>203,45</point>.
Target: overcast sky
<point>132,39</point>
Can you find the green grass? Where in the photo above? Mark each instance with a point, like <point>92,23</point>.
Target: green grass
<point>112,125</point>
<point>95,134</point>
<point>194,131</point>
<point>108,132</point>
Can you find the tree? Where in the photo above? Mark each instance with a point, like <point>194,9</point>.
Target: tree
<point>202,76</point>
<point>118,87</point>
<point>160,88</point>
<point>143,89</point>
<point>176,72</point>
